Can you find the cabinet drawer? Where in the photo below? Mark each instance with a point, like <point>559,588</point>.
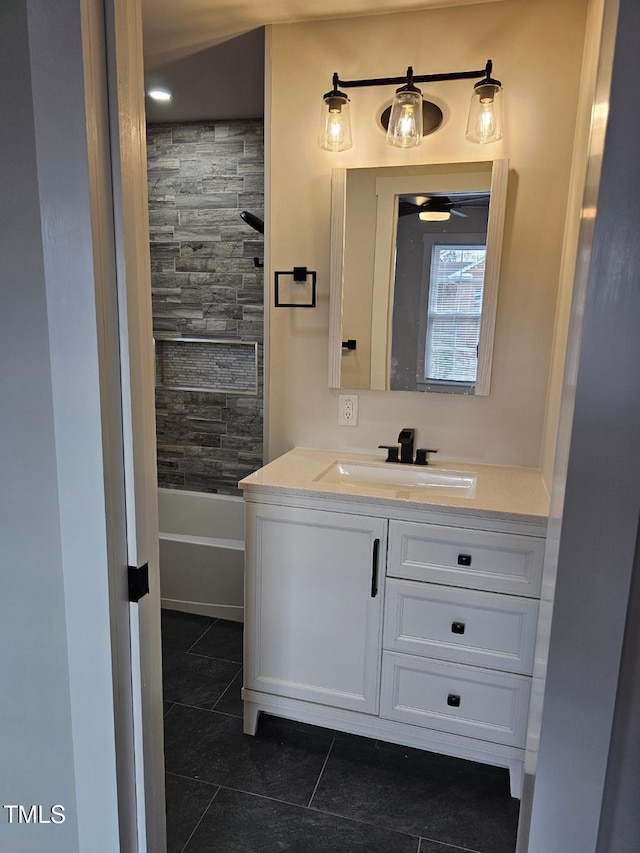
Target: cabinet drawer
<point>449,697</point>
<point>500,562</point>
<point>481,628</point>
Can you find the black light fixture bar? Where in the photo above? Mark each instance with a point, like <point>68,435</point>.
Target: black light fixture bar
<point>417,78</point>
<point>410,116</point>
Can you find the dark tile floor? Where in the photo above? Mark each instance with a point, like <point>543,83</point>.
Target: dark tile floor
<point>298,788</point>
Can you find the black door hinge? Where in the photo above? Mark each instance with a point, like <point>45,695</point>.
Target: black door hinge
<point>138,582</point>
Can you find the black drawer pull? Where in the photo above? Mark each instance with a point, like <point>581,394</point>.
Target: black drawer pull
<point>464,559</point>
<point>453,700</point>
<point>457,627</point>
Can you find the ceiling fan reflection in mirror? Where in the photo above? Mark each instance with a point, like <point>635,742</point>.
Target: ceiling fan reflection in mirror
<point>439,207</point>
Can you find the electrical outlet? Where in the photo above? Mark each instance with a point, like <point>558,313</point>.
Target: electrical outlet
<point>348,410</point>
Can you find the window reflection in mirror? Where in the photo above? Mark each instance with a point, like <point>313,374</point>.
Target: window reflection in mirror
<point>415,260</point>
<point>439,278</point>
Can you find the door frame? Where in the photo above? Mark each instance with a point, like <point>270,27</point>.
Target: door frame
<point>124,61</point>
<point>125,71</point>
<point>585,790</point>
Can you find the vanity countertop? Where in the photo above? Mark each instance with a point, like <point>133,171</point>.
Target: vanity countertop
<point>500,492</point>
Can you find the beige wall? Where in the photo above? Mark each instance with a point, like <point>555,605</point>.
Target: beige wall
<point>536,47</point>
<point>555,449</point>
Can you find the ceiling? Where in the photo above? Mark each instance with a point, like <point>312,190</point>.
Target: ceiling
<point>210,53</point>
<point>173,30</point>
<point>204,89</point>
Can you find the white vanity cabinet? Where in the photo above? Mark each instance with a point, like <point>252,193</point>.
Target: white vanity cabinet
<point>313,603</point>
<point>408,622</point>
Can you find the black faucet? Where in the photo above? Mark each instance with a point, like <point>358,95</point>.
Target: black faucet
<point>422,457</point>
<point>405,440</point>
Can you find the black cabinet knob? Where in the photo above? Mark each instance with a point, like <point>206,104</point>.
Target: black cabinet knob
<point>464,559</point>
<point>453,700</point>
<point>457,627</point>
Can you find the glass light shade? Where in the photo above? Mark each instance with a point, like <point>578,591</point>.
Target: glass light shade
<point>434,215</point>
<point>485,114</point>
<point>335,124</point>
<point>405,121</point>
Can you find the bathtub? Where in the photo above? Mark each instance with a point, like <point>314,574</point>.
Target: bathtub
<point>202,553</point>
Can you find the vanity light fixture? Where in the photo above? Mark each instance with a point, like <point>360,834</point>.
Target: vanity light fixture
<point>410,116</point>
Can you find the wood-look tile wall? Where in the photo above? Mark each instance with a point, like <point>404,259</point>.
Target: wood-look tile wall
<point>205,283</point>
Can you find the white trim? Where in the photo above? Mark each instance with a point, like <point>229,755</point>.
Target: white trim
<point>210,541</point>
<point>336,273</point>
<point>266,344</point>
<point>495,233</point>
<point>126,74</point>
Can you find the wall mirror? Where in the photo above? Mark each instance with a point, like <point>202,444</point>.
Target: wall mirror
<point>415,266</point>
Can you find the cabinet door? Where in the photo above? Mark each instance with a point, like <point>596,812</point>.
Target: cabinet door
<point>313,605</point>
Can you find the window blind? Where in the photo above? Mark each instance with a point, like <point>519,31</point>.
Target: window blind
<point>454,311</point>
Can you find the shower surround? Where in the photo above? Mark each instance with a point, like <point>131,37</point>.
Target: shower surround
<point>205,285</point>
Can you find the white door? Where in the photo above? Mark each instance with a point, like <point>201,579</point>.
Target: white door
<point>314,590</point>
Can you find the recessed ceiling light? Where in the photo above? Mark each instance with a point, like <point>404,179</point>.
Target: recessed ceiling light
<point>159,94</point>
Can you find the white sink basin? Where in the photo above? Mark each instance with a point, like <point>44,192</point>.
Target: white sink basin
<point>395,477</point>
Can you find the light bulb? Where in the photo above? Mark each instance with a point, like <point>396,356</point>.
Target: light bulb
<point>405,121</point>
<point>336,129</point>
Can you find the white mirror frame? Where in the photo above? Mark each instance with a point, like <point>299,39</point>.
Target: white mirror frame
<point>385,251</point>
